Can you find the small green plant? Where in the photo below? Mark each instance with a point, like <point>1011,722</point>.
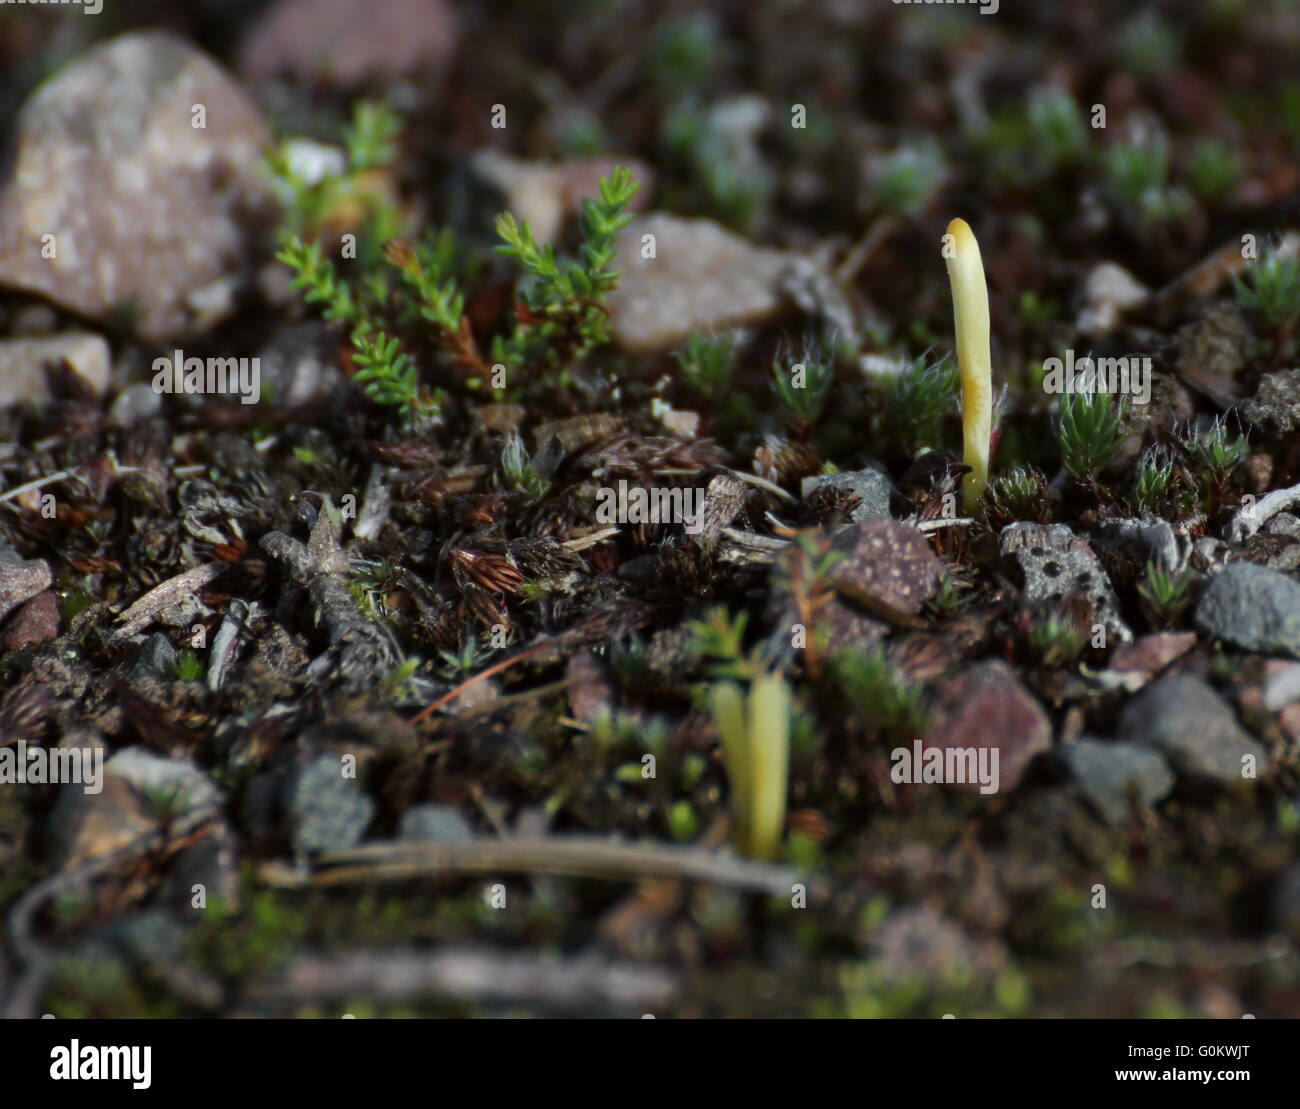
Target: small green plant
<point>315,277</point>
<point>312,198</point>
<point>804,386</point>
<point>706,364</point>
<point>947,597</point>
<point>917,400</point>
<point>166,802</point>
<point>755,733</point>
<point>1054,642</point>
<point>1089,432</point>
<point>903,183</point>
<point>720,636</point>
<point>681,52</point>
<point>429,270</point>
<point>363,596</point>
<point>1019,494</point>
<point>470,657</point>
<point>397,682</point>
<point>1213,169</point>
<point>1025,145</point>
<point>1148,45</point>
<point>389,376</point>
<point>1057,130</point>
<point>371,140</point>
<point>804,575</point>
<point>1218,455</point>
<point>1133,170</point>
<point>564,313</point>
<point>1151,493</point>
<point>1135,178</point>
<point>1216,458</point>
<point>880,695</point>
<point>517,470</point>
<point>1164,595</point>
<point>683,823</point>
<point>189,667</point>
<point>1271,291</point>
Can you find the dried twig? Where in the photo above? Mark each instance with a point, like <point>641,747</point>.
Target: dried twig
<point>469,974</point>
<point>575,856</point>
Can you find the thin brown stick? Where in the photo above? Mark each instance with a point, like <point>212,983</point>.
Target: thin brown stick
<point>571,856</point>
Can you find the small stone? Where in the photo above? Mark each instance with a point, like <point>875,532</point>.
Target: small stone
<point>1254,608</point>
<point>298,364</point>
<point>20,582</point>
<point>1109,774</point>
<point>919,943</point>
<point>1213,349</point>
<point>1194,727</point>
<point>1281,685</point>
<point>846,625</point>
<point>986,707</point>
<point>1284,523</point>
<point>1050,575</point>
<point>135,403</point>
<point>155,660</point>
<point>887,566</point>
<point>349,44</point>
<point>173,203</point>
<point>1024,534</point>
<point>1108,291</point>
<point>1152,653</point>
<point>136,787</point>
<point>1275,407</point>
<point>36,621</point>
<point>24,364</point>
<point>589,692</point>
<point>327,811</point>
<point>424,823</point>
<point>211,862</point>
<point>871,487</point>
<point>701,278</point>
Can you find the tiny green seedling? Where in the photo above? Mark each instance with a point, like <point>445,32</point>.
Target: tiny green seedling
<point>970,303</point>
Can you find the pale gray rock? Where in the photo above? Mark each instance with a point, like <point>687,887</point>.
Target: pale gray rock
<point>702,278</point>
<point>148,213</point>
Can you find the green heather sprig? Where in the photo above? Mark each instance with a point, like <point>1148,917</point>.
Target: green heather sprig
<point>316,278</point>
<point>310,202</point>
<point>389,375</point>
<point>563,311</point>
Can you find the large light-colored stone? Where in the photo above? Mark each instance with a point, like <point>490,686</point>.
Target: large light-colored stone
<point>701,278</point>
<point>24,364</point>
<point>116,203</point>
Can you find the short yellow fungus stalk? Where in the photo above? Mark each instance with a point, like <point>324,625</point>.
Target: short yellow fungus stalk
<point>970,306</point>
<point>755,735</point>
